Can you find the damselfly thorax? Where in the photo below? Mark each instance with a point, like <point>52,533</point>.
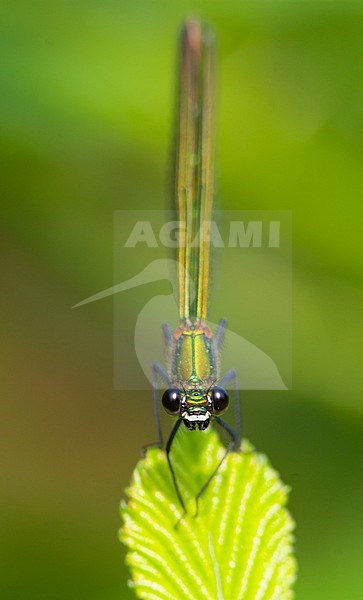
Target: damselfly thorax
<point>193,368</point>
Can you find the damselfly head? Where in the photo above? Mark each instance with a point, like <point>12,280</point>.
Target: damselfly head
<point>195,406</point>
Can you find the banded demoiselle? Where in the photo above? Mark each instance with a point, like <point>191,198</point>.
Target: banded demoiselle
<point>196,393</point>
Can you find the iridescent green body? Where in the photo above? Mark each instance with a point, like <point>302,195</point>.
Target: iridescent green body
<point>194,360</point>
<point>193,367</point>
<point>193,357</point>
<point>196,394</point>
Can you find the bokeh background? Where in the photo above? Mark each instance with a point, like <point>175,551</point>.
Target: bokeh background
<point>87,99</point>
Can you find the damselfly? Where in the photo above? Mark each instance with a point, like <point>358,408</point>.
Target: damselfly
<point>196,392</point>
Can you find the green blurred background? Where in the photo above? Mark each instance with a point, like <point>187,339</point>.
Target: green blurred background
<point>87,99</point>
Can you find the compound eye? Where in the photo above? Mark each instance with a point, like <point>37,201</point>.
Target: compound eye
<point>220,399</point>
<point>171,401</point>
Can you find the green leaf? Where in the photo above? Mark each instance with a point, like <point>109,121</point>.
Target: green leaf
<point>239,546</point>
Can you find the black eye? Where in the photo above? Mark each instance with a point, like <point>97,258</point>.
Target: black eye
<point>220,399</point>
<point>171,401</point>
